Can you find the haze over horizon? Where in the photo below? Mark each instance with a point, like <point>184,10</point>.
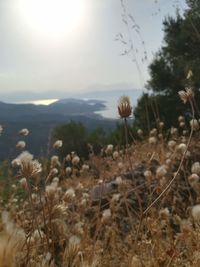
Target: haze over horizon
<point>46,54</point>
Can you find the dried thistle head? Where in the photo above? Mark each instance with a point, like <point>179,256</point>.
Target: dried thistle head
<point>28,166</point>
<point>186,95</point>
<point>124,107</point>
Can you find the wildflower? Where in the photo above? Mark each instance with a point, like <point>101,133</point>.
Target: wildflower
<point>1,129</point>
<point>161,124</point>
<point>55,161</point>
<point>161,171</point>
<point>181,119</point>
<point>152,140</point>
<point>20,144</point>
<point>116,197</point>
<point>164,213</point>
<point>186,95</point>
<point>124,107</point>
<point>106,214</point>
<point>118,180</point>
<point>53,171</point>
<point>182,148</point>
<point>68,158</point>
<point>153,132</point>
<point>196,213</point>
<point>85,167</point>
<point>194,124</point>
<point>109,149</point>
<point>196,168</point>
<point>140,132</point>
<point>68,170</point>
<point>69,194</point>
<point>115,155</point>
<point>58,144</point>
<point>75,160</point>
<point>28,166</point>
<point>148,174</point>
<point>120,165</point>
<point>174,131</point>
<point>171,144</point>
<point>193,179</point>
<point>24,132</point>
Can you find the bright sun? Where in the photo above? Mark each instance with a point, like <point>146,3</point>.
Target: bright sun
<point>52,18</point>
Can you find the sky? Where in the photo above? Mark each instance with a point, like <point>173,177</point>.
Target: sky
<point>54,48</point>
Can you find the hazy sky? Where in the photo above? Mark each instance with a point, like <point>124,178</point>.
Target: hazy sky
<point>42,55</point>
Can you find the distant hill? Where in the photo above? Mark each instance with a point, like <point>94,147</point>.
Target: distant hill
<point>41,120</point>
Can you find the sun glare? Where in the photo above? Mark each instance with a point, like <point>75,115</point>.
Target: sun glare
<point>52,18</point>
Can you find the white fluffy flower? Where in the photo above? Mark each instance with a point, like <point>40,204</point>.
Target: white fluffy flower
<point>20,144</point>
<point>115,155</point>
<point>58,144</point>
<point>106,214</point>
<point>196,213</point>
<point>1,129</point>
<point>171,144</point>
<point>28,166</point>
<point>194,124</point>
<point>68,170</point>
<point>196,168</point>
<point>182,148</point>
<point>24,132</point>
<point>161,171</point>
<point>152,140</point>
<point>109,149</point>
<point>75,160</point>
<point>55,161</point>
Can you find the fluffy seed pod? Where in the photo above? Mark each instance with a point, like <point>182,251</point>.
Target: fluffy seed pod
<point>75,160</point>
<point>20,144</point>
<point>58,144</point>
<point>161,171</point>
<point>24,132</point>
<point>196,168</point>
<point>124,107</point>
<point>196,213</point>
<point>186,95</point>
<point>194,124</point>
<point>140,132</point>
<point>115,155</point>
<point>152,140</point>
<point>181,119</point>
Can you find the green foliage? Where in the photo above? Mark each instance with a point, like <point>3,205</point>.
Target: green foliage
<point>169,69</point>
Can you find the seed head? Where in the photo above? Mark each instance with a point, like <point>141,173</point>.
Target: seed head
<point>124,107</point>
<point>186,95</point>
<point>20,144</point>
<point>58,144</point>
<point>28,166</point>
<point>24,132</point>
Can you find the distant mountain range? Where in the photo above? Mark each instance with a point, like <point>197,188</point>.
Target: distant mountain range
<point>41,120</point>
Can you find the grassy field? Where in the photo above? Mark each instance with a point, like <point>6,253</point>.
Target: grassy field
<point>132,207</point>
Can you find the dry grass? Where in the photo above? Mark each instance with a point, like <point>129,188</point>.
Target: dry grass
<point>95,216</point>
